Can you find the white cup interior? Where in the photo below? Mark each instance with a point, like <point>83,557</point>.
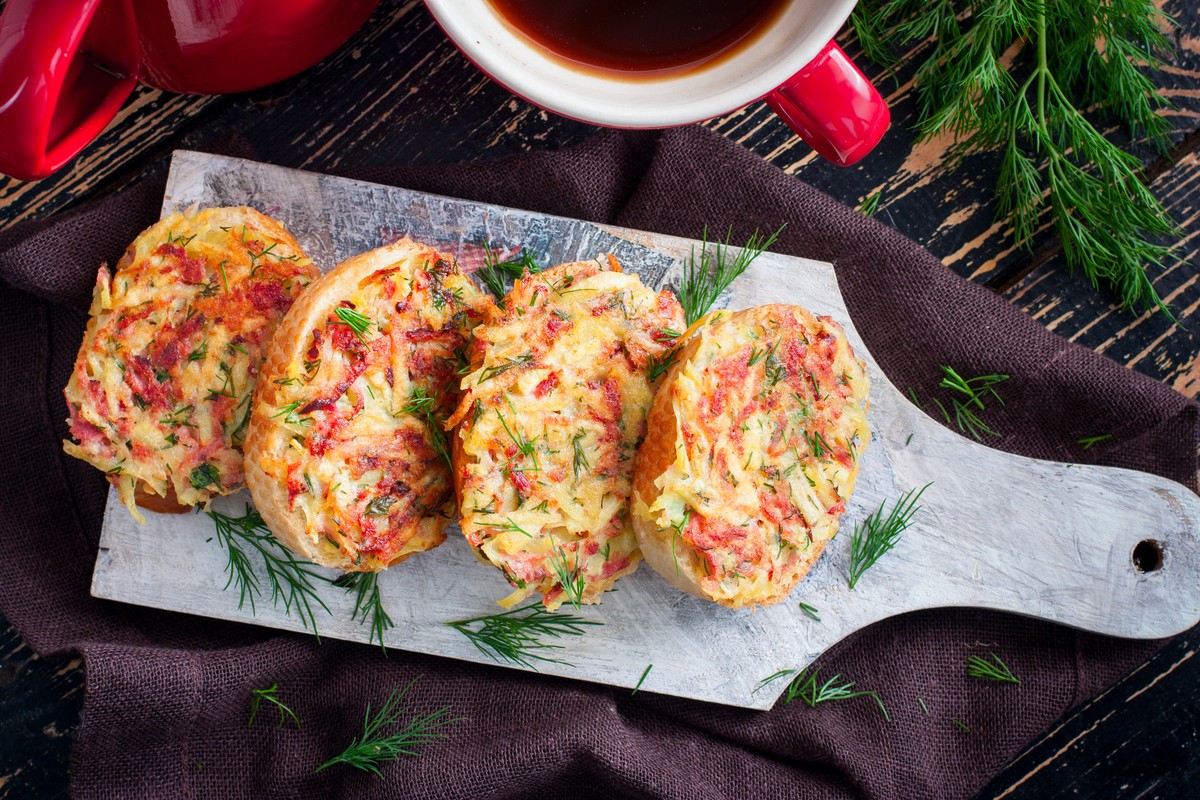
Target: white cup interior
<point>797,35</point>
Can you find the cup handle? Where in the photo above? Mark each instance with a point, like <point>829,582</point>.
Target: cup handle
<point>66,66</point>
<point>833,107</point>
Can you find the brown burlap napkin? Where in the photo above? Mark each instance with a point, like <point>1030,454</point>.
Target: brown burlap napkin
<point>167,695</point>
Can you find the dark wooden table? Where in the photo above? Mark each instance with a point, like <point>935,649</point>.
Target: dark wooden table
<point>1137,740</point>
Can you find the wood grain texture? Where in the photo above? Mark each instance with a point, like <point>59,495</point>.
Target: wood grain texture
<point>39,710</point>
<point>1147,342</point>
<point>1144,749</point>
<point>149,120</point>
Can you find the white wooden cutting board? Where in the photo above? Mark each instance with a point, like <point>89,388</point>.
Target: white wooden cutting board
<point>998,531</point>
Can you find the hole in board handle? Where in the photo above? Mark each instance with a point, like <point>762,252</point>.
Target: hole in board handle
<point>1147,556</point>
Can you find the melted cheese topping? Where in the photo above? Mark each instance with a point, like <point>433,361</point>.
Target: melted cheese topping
<point>770,415</point>
<point>355,428</point>
<point>161,391</point>
<point>551,416</point>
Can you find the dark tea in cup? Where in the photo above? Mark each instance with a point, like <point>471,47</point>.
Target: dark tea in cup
<point>659,63</point>
<point>640,36</point>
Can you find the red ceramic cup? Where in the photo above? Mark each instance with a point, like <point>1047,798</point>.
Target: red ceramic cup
<point>792,64</point>
<point>66,66</point>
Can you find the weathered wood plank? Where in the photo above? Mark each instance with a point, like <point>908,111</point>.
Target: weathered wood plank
<point>1146,341</point>
<point>437,106</point>
<point>1145,747</point>
<point>145,126</point>
<point>39,709</point>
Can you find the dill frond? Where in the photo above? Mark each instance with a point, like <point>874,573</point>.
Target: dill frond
<point>1087,442</point>
<point>642,679</point>
<point>421,404</point>
<point>1055,164</point>
<point>517,636</point>
<point>374,748</point>
<point>807,688</point>
<point>994,670</point>
<point>270,695</point>
<point>709,274</point>
<point>291,580</point>
<point>569,577</point>
<point>496,273</point>
<point>878,534</point>
<point>368,601</point>
<point>968,399</point>
<point>359,322</point>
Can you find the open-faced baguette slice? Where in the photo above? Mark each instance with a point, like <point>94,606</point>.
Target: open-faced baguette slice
<point>162,389</point>
<point>346,457</point>
<point>551,414</point>
<point>753,450</point>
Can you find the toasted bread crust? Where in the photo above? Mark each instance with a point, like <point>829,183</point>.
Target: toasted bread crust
<point>752,451</point>
<point>341,457</point>
<point>167,368</point>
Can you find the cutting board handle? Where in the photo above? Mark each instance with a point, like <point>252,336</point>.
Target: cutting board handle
<point>1106,549</point>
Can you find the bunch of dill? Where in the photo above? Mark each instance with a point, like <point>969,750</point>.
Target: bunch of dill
<point>1015,76</point>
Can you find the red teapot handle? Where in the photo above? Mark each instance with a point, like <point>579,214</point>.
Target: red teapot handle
<point>66,66</point>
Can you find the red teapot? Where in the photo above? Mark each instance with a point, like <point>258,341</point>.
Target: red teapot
<point>66,66</point>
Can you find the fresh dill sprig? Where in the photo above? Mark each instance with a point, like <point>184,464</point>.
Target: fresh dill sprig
<point>579,460</point>
<point>774,676</point>
<point>359,322</point>
<point>817,444</point>
<point>870,204</point>
<point>421,404</point>
<point>496,272</point>
<point>525,446</point>
<point>509,363</point>
<point>517,636</point>
<point>877,534</point>
<point>368,601</point>
<point>374,747</point>
<point>1087,442</point>
<point>291,580</point>
<point>238,435</point>
<point>807,687</point>
<point>508,526</point>
<point>677,534</point>
<point>994,670</point>
<point>968,399</point>
<point>642,679</point>
<point>290,414</point>
<point>757,355</point>
<point>707,275</point>
<point>569,578</point>
<point>271,695</point>
<point>662,363</point>
<point>1071,56</point>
